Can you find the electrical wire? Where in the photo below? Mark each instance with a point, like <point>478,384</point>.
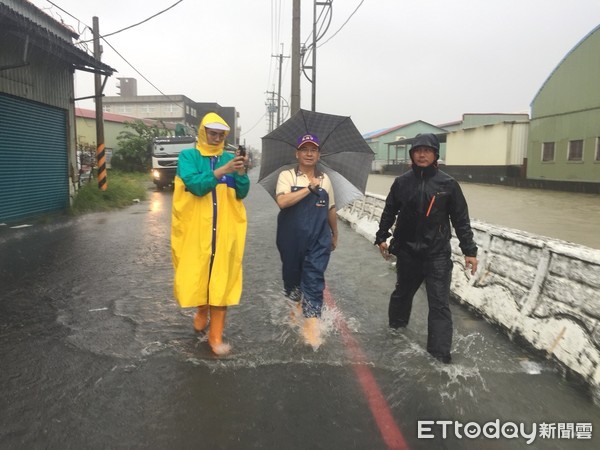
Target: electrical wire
<point>67,13</point>
<point>343,25</point>
<point>253,126</point>
<point>103,37</point>
<point>145,20</point>
<point>319,34</point>
<point>139,23</point>
<point>119,54</point>
<point>329,3</point>
<point>137,71</point>
<point>276,12</point>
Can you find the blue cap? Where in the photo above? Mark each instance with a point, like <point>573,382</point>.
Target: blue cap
<point>307,138</point>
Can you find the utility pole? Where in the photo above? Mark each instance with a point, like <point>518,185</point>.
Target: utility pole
<point>100,150</point>
<point>313,48</point>
<point>314,60</point>
<point>295,96</point>
<point>271,109</point>
<point>279,88</point>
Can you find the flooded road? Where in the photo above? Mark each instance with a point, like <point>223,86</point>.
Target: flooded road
<point>95,353</point>
<point>569,216</point>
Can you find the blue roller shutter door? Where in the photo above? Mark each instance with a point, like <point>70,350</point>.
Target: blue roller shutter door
<point>33,159</point>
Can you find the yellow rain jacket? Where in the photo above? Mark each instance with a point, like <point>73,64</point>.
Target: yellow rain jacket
<point>208,225</point>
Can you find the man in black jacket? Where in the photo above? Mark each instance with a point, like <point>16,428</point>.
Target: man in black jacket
<point>423,202</point>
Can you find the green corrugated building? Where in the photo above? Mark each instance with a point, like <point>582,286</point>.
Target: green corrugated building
<point>564,136</point>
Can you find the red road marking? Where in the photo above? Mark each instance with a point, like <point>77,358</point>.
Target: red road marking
<point>380,409</point>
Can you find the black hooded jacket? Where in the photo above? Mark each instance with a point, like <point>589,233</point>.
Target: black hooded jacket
<point>423,202</point>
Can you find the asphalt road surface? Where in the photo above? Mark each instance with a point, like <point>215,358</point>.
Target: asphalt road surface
<point>96,354</point>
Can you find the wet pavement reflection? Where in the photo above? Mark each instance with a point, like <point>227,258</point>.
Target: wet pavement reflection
<point>95,353</point>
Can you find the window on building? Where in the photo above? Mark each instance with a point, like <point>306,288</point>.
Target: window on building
<point>106,108</point>
<point>548,152</point>
<point>147,109</point>
<point>170,108</point>
<point>597,149</point>
<point>575,150</point>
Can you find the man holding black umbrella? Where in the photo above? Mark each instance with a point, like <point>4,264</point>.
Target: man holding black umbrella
<point>423,202</point>
<point>306,233</point>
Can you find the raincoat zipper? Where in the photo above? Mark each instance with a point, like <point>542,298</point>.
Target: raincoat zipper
<point>213,161</point>
<point>419,242</point>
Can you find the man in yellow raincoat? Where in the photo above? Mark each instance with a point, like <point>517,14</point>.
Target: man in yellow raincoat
<point>208,229</point>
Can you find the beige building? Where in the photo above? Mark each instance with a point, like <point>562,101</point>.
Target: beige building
<point>113,125</point>
<point>499,144</point>
<point>488,148</point>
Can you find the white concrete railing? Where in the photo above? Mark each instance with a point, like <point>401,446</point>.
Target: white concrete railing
<point>544,290</point>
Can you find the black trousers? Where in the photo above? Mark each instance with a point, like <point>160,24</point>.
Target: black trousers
<point>436,271</point>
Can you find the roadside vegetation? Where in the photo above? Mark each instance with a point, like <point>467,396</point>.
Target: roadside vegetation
<point>123,189</point>
<point>133,154</point>
<point>129,177</point>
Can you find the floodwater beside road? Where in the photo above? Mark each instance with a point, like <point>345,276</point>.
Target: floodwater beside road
<point>570,216</point>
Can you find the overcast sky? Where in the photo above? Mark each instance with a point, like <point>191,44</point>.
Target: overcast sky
<point>393,62</point>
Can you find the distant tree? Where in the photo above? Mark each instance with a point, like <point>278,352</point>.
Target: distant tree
<point>133,154</point>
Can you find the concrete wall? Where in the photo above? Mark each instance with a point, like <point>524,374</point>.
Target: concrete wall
<point>542,290</point>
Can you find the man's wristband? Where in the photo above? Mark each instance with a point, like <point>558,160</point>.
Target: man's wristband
<point>312,189</point>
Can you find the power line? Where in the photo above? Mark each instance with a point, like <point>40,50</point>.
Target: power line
<point>67,13</point>
<point>139,23</point>
<point>320,34</point>
<point>126,61</point>
<point>343,25</point>
<point>145,20</point>
<point>119,31</point>
<point>119,54</point>
<point>254,126</point>
<point>137,71</point>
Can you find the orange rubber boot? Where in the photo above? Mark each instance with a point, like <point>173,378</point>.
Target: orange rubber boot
<point>201,319</point>
<point>215,332</point>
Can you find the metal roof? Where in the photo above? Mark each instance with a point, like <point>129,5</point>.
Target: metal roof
<point>441,137</point>
<point>23,24</point>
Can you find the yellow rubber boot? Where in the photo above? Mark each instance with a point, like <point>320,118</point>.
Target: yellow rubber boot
<point>312,332</point>
<point>201,319</point>
<point>215,332</point>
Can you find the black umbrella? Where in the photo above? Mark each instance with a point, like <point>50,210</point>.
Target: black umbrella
<point>345,156</point>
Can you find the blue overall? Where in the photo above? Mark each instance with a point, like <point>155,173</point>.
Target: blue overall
<point>304,244</point>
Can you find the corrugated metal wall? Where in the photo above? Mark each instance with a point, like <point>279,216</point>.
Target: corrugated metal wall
<point>501,144</point>
<point>43,79</point>
<point>33,159</point>
<point>518,144</point>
